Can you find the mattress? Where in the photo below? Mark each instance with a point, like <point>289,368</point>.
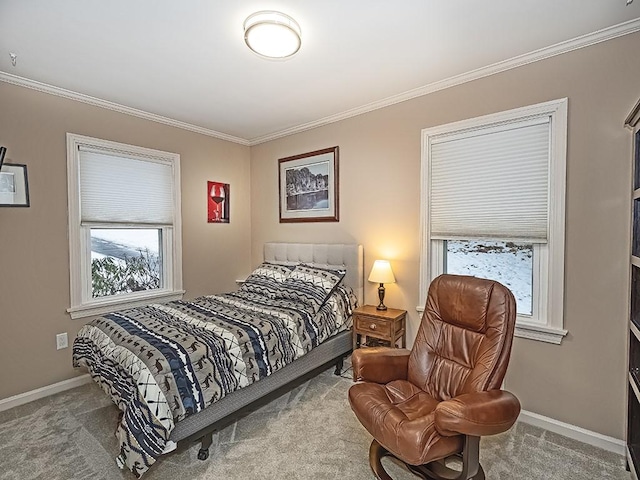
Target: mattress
<point>164,363</point>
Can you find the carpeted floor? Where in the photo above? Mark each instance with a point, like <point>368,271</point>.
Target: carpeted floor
<point>309,433</point>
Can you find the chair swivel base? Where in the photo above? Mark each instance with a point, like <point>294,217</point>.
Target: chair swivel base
<point>437,470</point>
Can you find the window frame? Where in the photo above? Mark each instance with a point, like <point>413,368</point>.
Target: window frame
<point>547,322</point>
<point>82,302</point>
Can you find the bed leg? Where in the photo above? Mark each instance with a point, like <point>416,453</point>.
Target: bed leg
<point>206,442</point>
<point>339,364</point>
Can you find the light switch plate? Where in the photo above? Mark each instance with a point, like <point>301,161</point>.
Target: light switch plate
<point>62,340</point>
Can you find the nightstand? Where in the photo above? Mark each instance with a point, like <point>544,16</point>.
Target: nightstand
<point>387,325</point>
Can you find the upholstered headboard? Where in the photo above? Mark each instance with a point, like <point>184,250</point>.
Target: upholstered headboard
<point>351,256</point>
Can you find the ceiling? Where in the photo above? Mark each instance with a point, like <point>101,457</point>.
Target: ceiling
<point>185,61</point>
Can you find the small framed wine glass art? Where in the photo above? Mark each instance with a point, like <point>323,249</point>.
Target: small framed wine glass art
<point>217,202</point>
<point>309,187</point>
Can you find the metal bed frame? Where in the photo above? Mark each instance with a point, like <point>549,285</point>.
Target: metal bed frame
<point>201,426</point>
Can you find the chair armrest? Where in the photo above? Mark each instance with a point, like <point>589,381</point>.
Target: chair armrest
<point>477,414</point>
<point>379,364</point>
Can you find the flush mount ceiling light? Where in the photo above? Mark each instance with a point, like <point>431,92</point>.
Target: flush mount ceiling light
<point>272,34</point>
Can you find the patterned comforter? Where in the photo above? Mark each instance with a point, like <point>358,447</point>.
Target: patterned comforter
<point>163,362</point>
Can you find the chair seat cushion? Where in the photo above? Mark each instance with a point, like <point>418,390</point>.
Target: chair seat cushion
<point>401,417</point>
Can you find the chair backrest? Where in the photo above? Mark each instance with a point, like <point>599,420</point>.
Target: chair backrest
<point>464,340</point>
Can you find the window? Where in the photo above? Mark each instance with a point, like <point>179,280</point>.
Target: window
<point>493,193</point>
<point>124,225</point>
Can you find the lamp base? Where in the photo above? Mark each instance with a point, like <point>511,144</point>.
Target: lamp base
<point>382,306</point>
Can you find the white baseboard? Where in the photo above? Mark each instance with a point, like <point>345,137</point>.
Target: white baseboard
<point>22,398</point>
<point>583,435</point>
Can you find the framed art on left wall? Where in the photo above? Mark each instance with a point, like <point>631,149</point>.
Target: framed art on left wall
<point>14,185</point>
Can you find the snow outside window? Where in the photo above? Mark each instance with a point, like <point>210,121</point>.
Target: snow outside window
<point>493,191</point>
<point>124,225</point>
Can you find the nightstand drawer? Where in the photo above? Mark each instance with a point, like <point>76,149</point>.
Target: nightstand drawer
<point>388,325</point>
<point>373,326</point>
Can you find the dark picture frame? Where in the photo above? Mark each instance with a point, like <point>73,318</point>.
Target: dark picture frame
<point>3,151</point>
<point>308,187</point>
<point>14,185</point>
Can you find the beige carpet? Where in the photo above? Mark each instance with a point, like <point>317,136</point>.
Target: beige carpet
<point>309,433</point>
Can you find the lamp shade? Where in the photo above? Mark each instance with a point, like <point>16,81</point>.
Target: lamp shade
<point>381,272</point>
<point>272,34</point>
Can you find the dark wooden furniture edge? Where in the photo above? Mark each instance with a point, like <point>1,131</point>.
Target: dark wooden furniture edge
<point>634,116</point>
<point>632,443</point>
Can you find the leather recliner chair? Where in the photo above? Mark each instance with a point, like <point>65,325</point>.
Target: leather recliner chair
<point>435,402</point>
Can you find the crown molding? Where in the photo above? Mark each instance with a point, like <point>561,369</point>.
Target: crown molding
<point>599,36</point>
<point>116,107</point>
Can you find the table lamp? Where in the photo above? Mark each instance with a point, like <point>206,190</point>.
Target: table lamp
<point>381,273</point>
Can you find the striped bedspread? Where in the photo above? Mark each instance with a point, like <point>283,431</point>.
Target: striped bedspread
<point>163,362</point>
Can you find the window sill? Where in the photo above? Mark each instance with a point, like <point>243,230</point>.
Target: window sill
<point>533,331</point>
<point>103,306</point>
<point>541,333</point>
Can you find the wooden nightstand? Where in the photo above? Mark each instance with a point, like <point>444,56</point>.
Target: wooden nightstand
<point>386,325</point>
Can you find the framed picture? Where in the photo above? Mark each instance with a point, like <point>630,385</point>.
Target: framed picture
<point>14,186</point>
<point>217,202</point>
<point>309,187</point>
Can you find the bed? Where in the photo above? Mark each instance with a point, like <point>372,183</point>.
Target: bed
<point>181,371</point>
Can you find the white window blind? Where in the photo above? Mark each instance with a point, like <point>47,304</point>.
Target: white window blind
<point>491,183</point>
<point>118,189</point>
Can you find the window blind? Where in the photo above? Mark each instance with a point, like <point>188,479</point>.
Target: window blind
<point>119,189</point>
<point>491,183</point>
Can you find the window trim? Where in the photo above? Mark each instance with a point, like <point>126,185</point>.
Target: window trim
<point>82,304</point>
<point>547,302</point>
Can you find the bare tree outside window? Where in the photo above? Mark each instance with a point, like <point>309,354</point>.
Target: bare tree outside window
<point>125,261</point>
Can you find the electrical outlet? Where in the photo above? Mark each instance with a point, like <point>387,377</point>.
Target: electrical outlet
<point>62,340</point>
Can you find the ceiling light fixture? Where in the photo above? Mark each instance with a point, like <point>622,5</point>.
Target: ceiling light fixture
<point>272,34</point>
